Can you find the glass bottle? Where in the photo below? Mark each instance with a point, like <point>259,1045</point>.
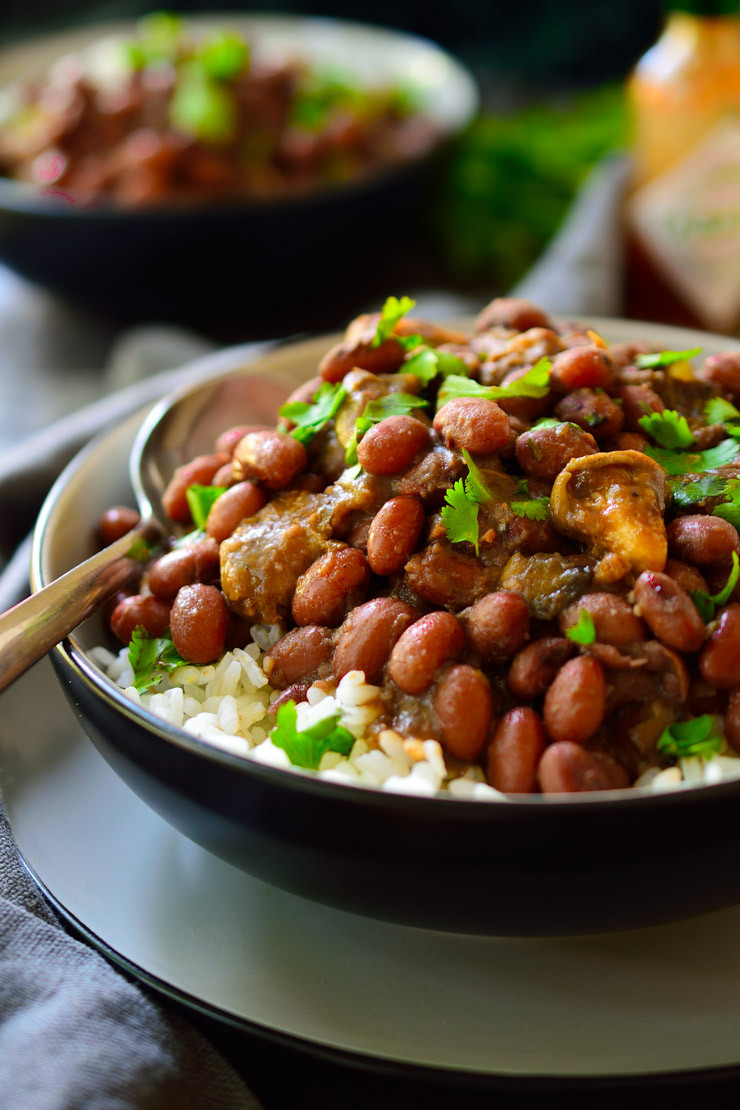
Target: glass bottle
<point>683,209</point>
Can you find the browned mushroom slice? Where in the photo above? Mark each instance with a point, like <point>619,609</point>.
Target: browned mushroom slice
<point>615,502</point>
<point>548,583</point>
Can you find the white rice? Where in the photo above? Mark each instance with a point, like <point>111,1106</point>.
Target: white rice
<point>226,704</point>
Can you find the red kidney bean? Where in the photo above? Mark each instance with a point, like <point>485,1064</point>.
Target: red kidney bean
<point>198,623</point>
<point>297,692</point>
<point>543,452</point>
<point>732,721</point>
<point>582,367</point>
<point>227,441</point>
<point>613,617</point>
<point>719,661</point>
<point>117,522</point>
<point>422,649</point>
<point>196,562</point>
<point>464,708</point>
<point>200,471</point>
<point>298,656</point>
<point>231,508</point>
<point>152,613</point>
<point>669,611</point>
<point>475,424</point>
<point>496,626</point>
<point>638,401</point>
<point>724,370</point>
<point>702,539</point>
<point>567,768</point>
<point>515,751</point>
<point>340,359</point>
<point>392,445</point>
<point>524,408</point>
<point>536,665</point>
<point>367,636</point>
<point>272,458</point>
<point>575,703</point>
<point>687,577</point>
<point>224,476</point>
<point>331,586</point>
<point>594,411</point>
<point>394,534</point>
<point>512,312</point>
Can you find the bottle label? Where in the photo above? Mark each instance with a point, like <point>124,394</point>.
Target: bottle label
<point>688,220</point>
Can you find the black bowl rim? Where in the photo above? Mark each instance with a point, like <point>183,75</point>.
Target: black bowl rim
<point>22,197</point>
<point>74,658</point>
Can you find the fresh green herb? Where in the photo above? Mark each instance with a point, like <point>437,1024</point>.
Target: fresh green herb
<point>353,472</point>
<point>697,737</point>
<point>140,550</point>
<point>535,383</point>
<point>475,484</point>
<point>696,491</point>
<point>224,56</point>
<point>694,462</point>
<point>393,310</point>
<point>534,509</point>
<point>665,358</point>
<point>202,107</point>
<point>307,747</point>
<point>393,404</point>
<point>719,411</point>
<point>546,422</point>
<point>158,40</point>
<point>460,516</point>
<point>429,363</point>
<point>309,419</point>
<point>584,630</point>
<point>707,604</point>
<point>323,93</point>
<point>730,510</point>
<point>151,658</point>
<point>669,428</point>
<point>200,501</point>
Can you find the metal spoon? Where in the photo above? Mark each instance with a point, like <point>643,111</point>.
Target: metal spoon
<point>184,424</point>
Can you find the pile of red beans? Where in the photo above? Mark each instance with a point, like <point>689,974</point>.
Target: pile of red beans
<point>472,649</point>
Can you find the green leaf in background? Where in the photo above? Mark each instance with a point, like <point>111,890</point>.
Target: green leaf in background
<point>665,358</point>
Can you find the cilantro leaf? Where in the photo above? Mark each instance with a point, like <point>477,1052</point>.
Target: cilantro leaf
<point>535,383</point>
<point>694,462</point>
<point>534,509</point>
<point>584,630</point>
<point>428,363</point>
<point>151,658</point>
<point>393,404</point>
<point>697,491</point>
<point>460,516</point>
<point>309,419</point>
<point>200,500</point>
<point>717,411</point>
<point>546,422</point>
<point>707,604</point>
<point>393,310</point>
<point>665,358</point>
<point>731,510</point>
<point>224,55</point>
<point>669,428</point>
<point>697,737</point>
<point>475,484</point>
<point>202,107</point>
<point>307,747</point>
<point>141,550</point>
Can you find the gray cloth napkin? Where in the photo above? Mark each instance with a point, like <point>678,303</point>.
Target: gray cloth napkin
<point>73,1031</point>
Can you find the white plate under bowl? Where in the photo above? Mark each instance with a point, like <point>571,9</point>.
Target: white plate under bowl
<point>654,1002</point>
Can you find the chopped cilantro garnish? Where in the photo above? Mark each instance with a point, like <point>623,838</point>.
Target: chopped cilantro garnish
<point>307,747</point>
<point>151,658</point>
<point>393,404</point>
<point>584,630</point>
<point>200,501</point>
<point>730,510</point>
<point>140,550</point>
<point>546,422</point>
<point>719,411</point>
<point>475,483</point>
<point>696,491</point>
<point>694,462</point>
<point>460,516</point>
<point>707,604</point>
<point>202,107</point>
<point>393,310</point>
<point>224,56</point>
<point>158,40</point>
<point>697,737</point>
<point>535,383</point>
<point>533,509</point>
<point>669,428</point>
<point>309,419</point>
<point>428,363</point>
<point>665,358</point>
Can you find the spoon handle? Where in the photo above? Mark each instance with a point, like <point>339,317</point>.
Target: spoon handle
<point>34,626</point>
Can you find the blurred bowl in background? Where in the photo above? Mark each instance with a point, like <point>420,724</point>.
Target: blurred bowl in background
<point>259,263</point>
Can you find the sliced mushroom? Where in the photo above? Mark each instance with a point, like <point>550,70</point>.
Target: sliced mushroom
<point>615,501</point>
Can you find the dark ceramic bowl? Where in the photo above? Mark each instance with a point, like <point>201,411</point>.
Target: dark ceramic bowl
<point>237,264</point>
<point>530,866</point>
